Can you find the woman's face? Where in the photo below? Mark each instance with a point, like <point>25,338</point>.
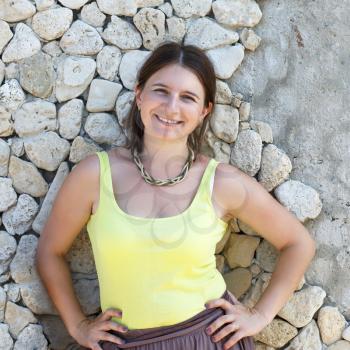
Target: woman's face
<point>174,94</point>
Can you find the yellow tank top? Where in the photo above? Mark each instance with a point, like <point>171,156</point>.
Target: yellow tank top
<point>158,271</point>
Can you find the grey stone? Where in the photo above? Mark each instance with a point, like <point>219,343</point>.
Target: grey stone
<point>263,129</point>
<point>8,195</point>
<point>275,167</point>
<point>340,345</point>
<point>46,206</point>
<point>6,340</point>
<point>26,177</point>
<point>189,8</point>
<point>31,338</point>
<point>12,289</point>
<point>4,157</point>
<point>46,150</point>
<point>207,34</point>
<point>123,106</point>
<point>223,92</point>
<point>102,95</point>
<point>24,44</point>
<point>176,29</point>
<point>8,247</point>
<point>226,59</point>
<point>237,13</point>
<point>224,123</point>
<point>17,147</point>
<point>52,48</point>
<point>246,152</point>
<point>81,39</point>
<point>73,4</point>
<point>5,36</point>
<point>6,124</point>
<point>34,117</point>
<point>2,71</point>
<point>302,200</point>
<point>92,15</point>
<point>11,95</point>
<point>122,34</point>
<point>69,118</point>
<point>151,23</point>
<point>116,7</point>
<point>23,9</point>
<point>267,255</point>
<point>52,23</point>
<point>107,62</point>
<point>42,5</point>
<point>249,39</point>
<point>244,111</point>
<point>81,148</point>
<point>167,9</point>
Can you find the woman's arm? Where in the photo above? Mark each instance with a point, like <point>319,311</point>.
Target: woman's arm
<point>244,198</point>
<point>70,212</point>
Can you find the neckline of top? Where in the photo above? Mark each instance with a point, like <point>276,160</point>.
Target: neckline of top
<point>130,216</point>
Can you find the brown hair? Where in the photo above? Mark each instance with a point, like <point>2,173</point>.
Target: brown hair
<point>188,56</point>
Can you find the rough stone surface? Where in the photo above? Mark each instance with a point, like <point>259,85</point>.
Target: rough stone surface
<point>81,148</point>
<point>92,15</point>
<point>107,62</point>
<point>102,95</point>
<point>176,29</point>
<point>226,59</point>
<point>19,10</point>
<point>26,177</point>
<point>81,39</point>
<point>8,247</point>
<point>186,9</point>
<point>249,39</point>
<point>6,339</point>
<point>263,129</point>
<point>46,150</point>
<point>31,337</point>
<point>69,118</point>
<point>207,34</point>
<point>11,95</point>
<point>122,34</point>
<point>4,157</point>
<point>6,124</point>
<point>73,4</point>
<point>116,7</point>
<point>8,195</point>
<point>340,345</point>
<point>300,199</point>
<point>5,35</point>
<point>18,219</point>
<point>246,152</point>
<point>267,255</point>
<point>238,281</point>
<point>237,13</point>
<point>24,44</point>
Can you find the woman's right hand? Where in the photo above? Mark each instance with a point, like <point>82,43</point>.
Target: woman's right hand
<point>89,333</point>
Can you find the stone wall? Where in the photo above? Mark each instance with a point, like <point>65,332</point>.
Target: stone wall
<point>67,71</point>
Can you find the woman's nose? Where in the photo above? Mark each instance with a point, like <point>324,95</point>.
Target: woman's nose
<point>172,103</point>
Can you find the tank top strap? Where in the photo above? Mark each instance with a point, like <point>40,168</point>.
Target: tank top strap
<point>106,187</point>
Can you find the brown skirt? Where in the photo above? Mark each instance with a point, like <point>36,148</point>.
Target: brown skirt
<point>186,335</point>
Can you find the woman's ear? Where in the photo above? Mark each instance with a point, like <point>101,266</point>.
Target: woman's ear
<point>206,111</point>
<point>138,92</point>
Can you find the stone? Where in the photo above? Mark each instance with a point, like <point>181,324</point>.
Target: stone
<point>37,75</point>
<point>237,13</point>
<point>130,63</point>
<point>52,23</point>
<point>331,324</point>
<point>221,151</point>
<point>302,200</point>
<point>4,157</point>
<point>12,71</point>
<point>22,266</point>
<point>346,334</point>
<point>6,124</point>
<point>18,219</point>
<point>3,298</point>
<point>221,244</point>
<point>123,106</point>
<point>81,148</point>
<point>244,111</point>
<point>12,290</point>
<point>73,4</point>
<point>246,152</point>
<point>81,39</point>
<point>6,340</point>
<point>308,338</point>
<point>2,70</point>
<point>226,59</point>
<point>19,10</point>
<point>240,249</point>
<point>151,23</point>
<point>8,196</point>
<point>74,75</point>
<point>207,34</point>
<point>11,95</point>
<point>122,34</point>
<point>31,337</point>
<point>275,167</point>
<point>17,147</point>
<point>52,48</point>
<point>277,333</point>
<point>18,317</point>
<point>69,118</point>
<point>27,178</point>
<point>5,35</point>
<point>176,29</point>
<point>263,129</point>
<point>167,9</point>
<point>149,3</point>
<point>117,7</point>
<point>24,44</point>
<point>34,117</point>
<point>92,15</point>
<point>302,305</point>
<point>8,247</point>
<point>42,5</point>
<point>220,262</point>
<point>249,39</point>
<point>102,95</point>
<point>223,93</point>
<point>340,345</point>
<point>267,255</point>
<point>189,8</point>
<point>246,228</point>
<point>46,206</point>
<point>107,62</point>
<point>224,122</point>
<point>88,293</point>
<point>238,281</point>
<point>46,150</point>
<point>102,127</point>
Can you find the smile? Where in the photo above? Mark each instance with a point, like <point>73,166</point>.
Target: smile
<point>167,121</point>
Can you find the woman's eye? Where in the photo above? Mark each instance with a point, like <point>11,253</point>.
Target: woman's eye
<point>160,90</point>
<point>190,98</point>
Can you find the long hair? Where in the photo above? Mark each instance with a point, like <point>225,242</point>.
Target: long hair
<point>190,57</point>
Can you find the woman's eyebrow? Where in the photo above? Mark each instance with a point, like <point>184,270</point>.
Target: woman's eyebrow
<point>188,92</point>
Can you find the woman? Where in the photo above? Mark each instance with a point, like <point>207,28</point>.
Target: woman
<point>155,211</point>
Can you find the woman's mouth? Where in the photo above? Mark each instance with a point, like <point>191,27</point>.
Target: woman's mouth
<point>167,122</point>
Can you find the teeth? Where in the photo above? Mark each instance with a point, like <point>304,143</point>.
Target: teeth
<point>167,121</point>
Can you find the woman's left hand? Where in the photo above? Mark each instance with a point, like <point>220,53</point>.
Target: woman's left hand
<point>239,319</point>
